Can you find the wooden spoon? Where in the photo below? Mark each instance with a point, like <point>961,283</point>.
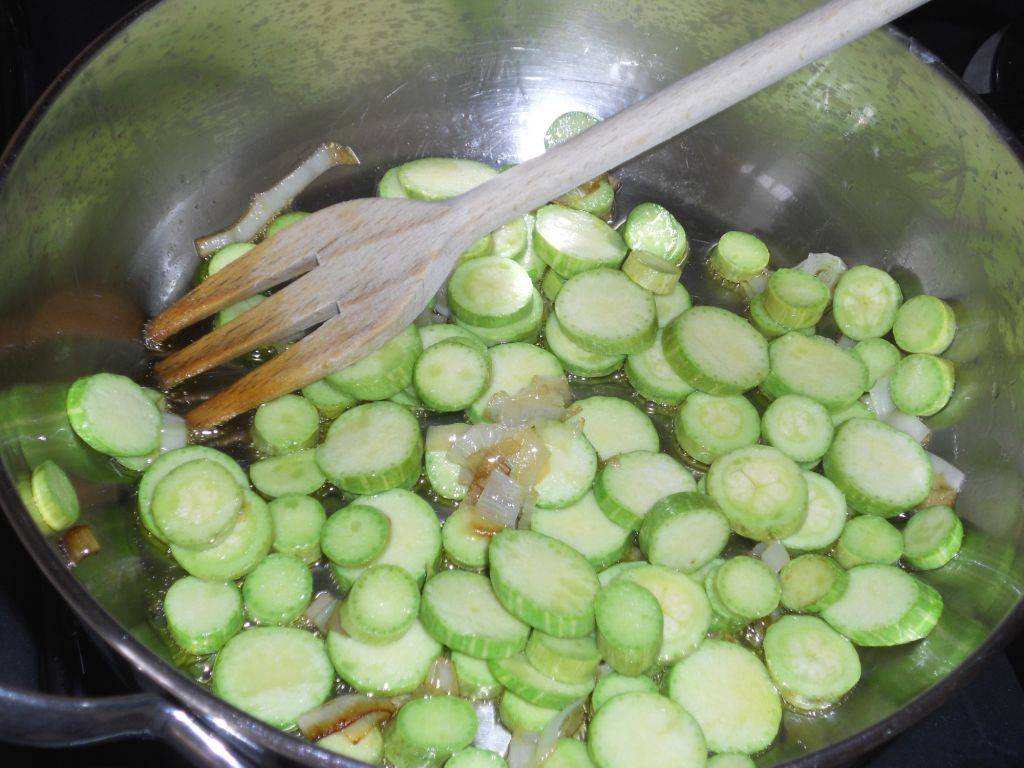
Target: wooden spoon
<point>366,268</point>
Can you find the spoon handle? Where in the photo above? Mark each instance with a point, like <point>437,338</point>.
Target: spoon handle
<point>687,102</point>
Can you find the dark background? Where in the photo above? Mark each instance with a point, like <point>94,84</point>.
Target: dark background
<point>41,646</point>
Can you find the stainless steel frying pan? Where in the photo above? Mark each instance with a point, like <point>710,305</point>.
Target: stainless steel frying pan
<point>162,131</point>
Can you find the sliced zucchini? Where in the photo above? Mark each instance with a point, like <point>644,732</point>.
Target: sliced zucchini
<point>685,608</point>
<point>615,426</point>
<point>202,615</point>
<point>289,423</point>
<point>543,582</point>
<point>291,473</point>
<point>884,605</point>
<point>811,583</point>
<point>880,470</point>
<point>460,609</point>
<point>372,448</point>
<point>603,311</point>
<point>710,426</point>
<point>762,492</point>
<point>932,537</point>
<point>630,484</point>
<point>571,241</point>
<point>635,729</point>
<point>716,351</point>
<point>584,527</point>
<point>731,696</point>
<point>415,542</point>
<point>277,590</point>
<point>812,665</point>
<point>392,669</point>
<point>684,531</point>
<point>274,674</point>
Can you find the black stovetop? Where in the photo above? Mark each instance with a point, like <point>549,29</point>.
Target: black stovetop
<point>41,646</point>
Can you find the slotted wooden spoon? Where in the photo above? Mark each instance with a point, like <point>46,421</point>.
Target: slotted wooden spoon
<point>366,268</point>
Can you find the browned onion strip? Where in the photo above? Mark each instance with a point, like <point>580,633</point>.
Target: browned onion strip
<point>341,712</point>
<point>362,727</point>
<point>266,205</point>
<point>79,542</point>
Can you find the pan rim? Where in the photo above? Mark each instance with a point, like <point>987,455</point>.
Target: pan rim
<point>244,728</point>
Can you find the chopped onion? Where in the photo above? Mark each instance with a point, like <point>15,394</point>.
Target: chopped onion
<point>564,724</point>
<point>173,433</point>
<point>824,266</point>
<point>846,342</point>
<point>362,727</point>
<point>910,425</point>
<point>531,460</point>
<point>773,554</point>
<point>953,477</point>
<point>490,732</point>
<point>948,482</point>
<point>443,436</point>
<point>266,205</point>
<point>543,399</point>
<point>526,516</point>
<point>756,285</point>
<point>79,542</point>
<point>442,679</point>
<point>321,610</point>
<point>501,500</point>
<point>881,401</point>
<point>521,749</point>
<point>341,712</point>
<point>476,439</point>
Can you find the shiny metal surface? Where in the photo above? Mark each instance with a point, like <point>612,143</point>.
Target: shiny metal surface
<point>47,721</point>
<point>874,154</point>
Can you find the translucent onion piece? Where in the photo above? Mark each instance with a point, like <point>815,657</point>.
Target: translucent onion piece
<point>543,399</point>
<point>79,542</point>
<point>526,516</point>
<point>266,205</point>
<point>321,610</point>
<point>881,401</point>
<point>910,425</point>
<point>442,679</point>
<point>341,712</point>
<point>361,728</point>
<point>824,266</point>
<point>482,450</point>
<point>477,439</point>
<point>947,473</point>
<point>490,733</point>
<point>480,524</point>
<point>773,554</point>
<point>531,461</point>
<point>173,433</point>
<point>756,284</point>
<point>443,436</point>
<point>521,749</point>
<point>564,724</point>
<point>501,499</point>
